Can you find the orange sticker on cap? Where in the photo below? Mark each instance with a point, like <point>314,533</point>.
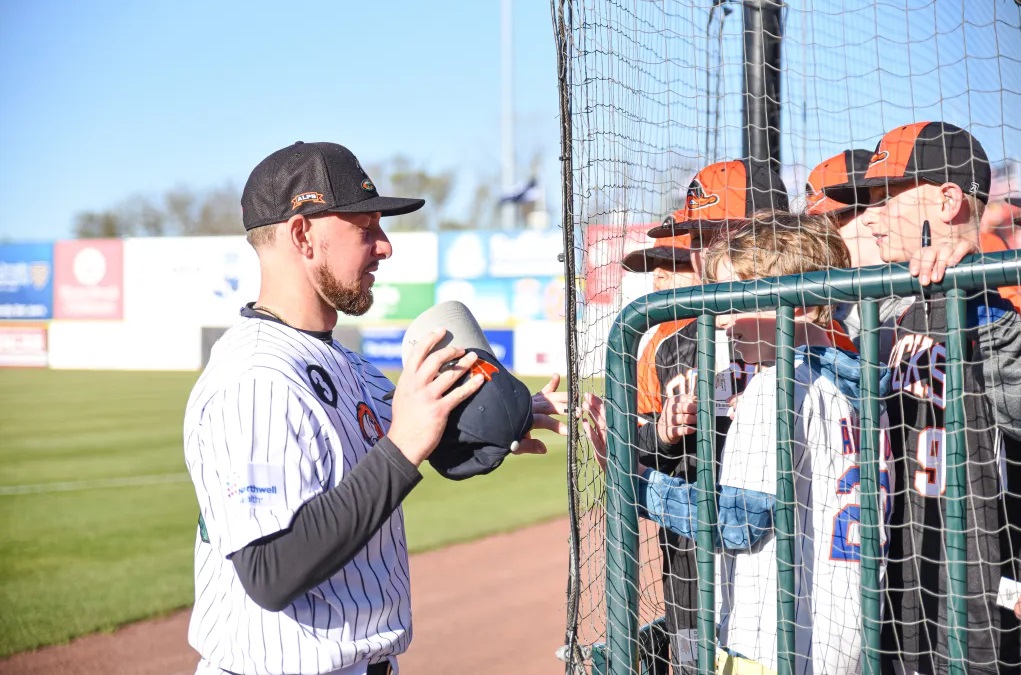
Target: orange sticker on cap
<point>895,151</point>
<point>307,198</point>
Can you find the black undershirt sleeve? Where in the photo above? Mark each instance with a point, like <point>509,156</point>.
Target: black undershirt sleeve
<point>327,530</point>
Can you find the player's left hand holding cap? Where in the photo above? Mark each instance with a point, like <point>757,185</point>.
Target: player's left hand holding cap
<point>491,424</point>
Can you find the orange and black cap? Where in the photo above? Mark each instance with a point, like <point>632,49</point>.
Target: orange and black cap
<point>311,178</point>
<point>934,152</point>
<point>835,185</point>
<point>670,253</point>
<point>722,193</point>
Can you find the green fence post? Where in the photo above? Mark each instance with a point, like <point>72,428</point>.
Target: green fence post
<point>706,476</point>
<point>868,462</point>
<point>784,518</point>
<point>956,483</point>
<point>621,508</point>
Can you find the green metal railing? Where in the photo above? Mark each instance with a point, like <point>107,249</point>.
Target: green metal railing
<point>620,651</point>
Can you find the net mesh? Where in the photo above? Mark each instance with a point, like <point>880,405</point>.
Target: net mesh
<point>652,92</point>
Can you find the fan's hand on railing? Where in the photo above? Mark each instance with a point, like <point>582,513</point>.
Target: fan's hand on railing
<point>931,262</point>
<point>678,419</point>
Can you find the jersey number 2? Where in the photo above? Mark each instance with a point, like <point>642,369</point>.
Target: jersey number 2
<point>846,537</point>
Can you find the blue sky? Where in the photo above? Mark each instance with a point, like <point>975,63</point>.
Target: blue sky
<point>103,100</point>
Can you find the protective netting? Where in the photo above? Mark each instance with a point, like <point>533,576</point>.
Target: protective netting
<point>655,92</point>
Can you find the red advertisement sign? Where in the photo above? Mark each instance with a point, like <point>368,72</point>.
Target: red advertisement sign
<point>605,248</point>
<point>23,346</point>
<point>88,279</point>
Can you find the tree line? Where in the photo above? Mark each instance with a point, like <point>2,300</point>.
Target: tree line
<point>187,211</point>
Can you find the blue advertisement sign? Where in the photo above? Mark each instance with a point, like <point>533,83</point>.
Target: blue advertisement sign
<point>26,281</point>
<point>382,346</point>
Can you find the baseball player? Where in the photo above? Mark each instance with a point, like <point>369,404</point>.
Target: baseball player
<point>299,458</point>
<point>832,192</point>
<point>930,181</point>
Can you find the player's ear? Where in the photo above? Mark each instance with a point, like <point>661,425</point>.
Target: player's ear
<point>952,201</point>
<point>299,232</point>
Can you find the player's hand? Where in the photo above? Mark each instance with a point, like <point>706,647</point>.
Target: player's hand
<point>422,402</point>
<point>678,419</point>
<point>930,263</point>
<point>546,403</point>
<point>1017,608</point>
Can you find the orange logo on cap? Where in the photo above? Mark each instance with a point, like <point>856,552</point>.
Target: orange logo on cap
<point>879,157</point>
<point>698,199</point>
<point>367,185</point>
<point>483,368</point>
<point>307,198</point>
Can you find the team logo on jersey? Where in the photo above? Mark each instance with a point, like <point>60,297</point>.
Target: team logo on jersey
<point>322,385</point>
<point>697,197</point>
<point>879,157</point>
<point>307,198</point>
<point>372,431</point>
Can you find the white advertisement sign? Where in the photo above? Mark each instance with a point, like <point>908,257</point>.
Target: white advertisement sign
<point>116,345</point>
<point>540,348</point>
<point>196,281</point>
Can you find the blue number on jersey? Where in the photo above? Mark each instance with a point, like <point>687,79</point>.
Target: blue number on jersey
<point>842,547</point>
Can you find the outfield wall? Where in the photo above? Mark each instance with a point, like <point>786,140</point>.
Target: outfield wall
<point>157,303</point>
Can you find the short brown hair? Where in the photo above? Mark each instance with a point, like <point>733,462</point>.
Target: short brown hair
<point>261,236</point>
<point>777,244</point>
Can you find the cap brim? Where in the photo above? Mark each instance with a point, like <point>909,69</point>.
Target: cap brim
<point>648,259</point>
<point>387,206</point>
<point>1014,201</point>
<point>833,206</point>
<point>684,227</point>
<point>462,329</point>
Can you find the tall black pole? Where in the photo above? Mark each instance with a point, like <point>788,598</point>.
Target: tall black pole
<point>762,39</point>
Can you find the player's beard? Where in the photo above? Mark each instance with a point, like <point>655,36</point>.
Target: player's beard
<point>351,300</point>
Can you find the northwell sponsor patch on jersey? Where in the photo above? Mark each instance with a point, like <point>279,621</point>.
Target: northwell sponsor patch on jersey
<point>259,485</point>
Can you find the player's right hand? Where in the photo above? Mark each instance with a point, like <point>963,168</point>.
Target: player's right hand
<point>678,419</point>
<point>423,399</point>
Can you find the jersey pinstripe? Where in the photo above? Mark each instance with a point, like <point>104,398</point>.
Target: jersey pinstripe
<point>276,418</point>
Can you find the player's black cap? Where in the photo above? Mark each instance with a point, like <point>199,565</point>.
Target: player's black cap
<point>487,427</point>
<point>310,178</point>
<point>934,152</point>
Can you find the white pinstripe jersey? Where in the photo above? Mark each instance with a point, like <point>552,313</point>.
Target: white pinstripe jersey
<point>276,418</point>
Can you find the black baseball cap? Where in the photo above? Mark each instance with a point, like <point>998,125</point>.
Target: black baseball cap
<point>491,423</point>
<point>934,152</point>
<point>725,193</point>
<point>310,178</point>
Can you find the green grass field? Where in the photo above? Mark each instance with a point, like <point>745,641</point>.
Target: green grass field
<point>84,548</point>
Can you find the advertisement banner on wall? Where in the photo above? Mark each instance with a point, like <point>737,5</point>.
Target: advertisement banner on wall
<point>605,248</point>
<point>414,258</point>
<point>395,302</point>
<point>382,346</point>
<point>540,348</point>
<point>201,281</point>
<point>26,281</point>
<point>23,346</point>
<point>507,301</point>
<point>524,253</point>
<point>88,279</point>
